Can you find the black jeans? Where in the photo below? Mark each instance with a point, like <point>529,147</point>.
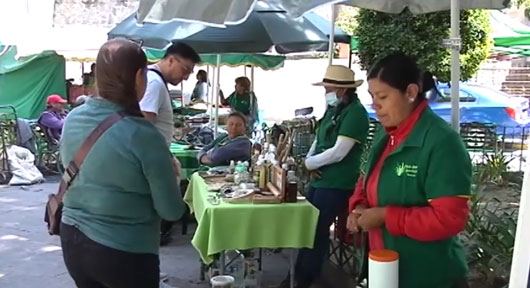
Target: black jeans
<point>330,203</point>
<point>93,265</point>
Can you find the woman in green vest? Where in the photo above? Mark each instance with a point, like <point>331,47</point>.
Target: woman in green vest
<point>413,197</point>
<point>334,161</point>
<point>243,100</point>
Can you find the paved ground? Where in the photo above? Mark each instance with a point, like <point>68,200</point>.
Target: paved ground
<point>29,257</point>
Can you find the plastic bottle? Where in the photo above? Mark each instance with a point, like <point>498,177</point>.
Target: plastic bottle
<point>232,167</point>
<point>236,268</point>
<point>241,175</point>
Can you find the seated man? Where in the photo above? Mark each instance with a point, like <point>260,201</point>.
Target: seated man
<point>52,119</point>
<point>234,146</point>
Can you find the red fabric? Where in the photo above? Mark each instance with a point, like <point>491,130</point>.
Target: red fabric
<point>359,196</point>
<point>396,138</point>
<point>443,218</point>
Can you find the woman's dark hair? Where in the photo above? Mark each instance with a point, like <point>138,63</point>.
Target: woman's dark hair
<point>399,71</point>
<point>202,75</point>
<point>244,81</point>
<point>240,116</point>
<point>117,62</point>
<point>349,96</point>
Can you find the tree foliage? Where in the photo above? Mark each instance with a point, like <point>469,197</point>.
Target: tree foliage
<point>346,19</point>
<point>421,36</point>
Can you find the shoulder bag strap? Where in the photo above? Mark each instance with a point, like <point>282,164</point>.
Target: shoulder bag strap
<point>159,75</point>
<point>73,167</point>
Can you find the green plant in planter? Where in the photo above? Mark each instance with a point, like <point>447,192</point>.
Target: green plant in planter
<point>489,238</point>
<point>495,168</point>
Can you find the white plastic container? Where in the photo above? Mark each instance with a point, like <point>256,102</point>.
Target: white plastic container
<point>222,281</point>
<point>383,269</point>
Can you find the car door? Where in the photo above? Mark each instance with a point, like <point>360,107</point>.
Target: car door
<point>442,104</point>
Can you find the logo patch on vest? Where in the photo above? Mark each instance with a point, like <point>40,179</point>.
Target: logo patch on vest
<point>407,170</point>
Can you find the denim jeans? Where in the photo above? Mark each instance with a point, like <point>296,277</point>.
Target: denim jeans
<point>330,203</point>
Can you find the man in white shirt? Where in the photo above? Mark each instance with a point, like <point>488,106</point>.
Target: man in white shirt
<point>176,66</point>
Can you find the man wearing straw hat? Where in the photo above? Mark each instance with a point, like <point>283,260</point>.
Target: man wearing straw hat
<point>333,162</point>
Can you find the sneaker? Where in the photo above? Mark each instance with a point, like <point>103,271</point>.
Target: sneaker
<point>163,277</point>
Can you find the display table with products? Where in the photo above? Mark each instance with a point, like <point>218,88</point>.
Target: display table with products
<point>226,226</point>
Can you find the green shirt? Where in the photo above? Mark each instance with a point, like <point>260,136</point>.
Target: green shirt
<point>431,163</point>
<point>126,183</point>
<point>242,103</point>
<point>352,122</point>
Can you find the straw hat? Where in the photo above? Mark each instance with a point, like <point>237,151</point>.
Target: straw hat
<point>339,76</point>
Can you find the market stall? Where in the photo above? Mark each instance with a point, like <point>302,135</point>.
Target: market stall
<point>256,225</point>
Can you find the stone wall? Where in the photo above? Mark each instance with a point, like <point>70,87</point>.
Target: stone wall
<point>99,13</point>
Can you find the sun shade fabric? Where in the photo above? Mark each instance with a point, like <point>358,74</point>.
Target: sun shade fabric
<point>26,82</point>
<point>423,6</point>
<point>263,29</point>
<point>220,12</point>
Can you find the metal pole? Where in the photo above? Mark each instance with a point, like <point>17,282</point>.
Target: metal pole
<point>212,96</point>
<point>349,56</point>
<point>222,263</point>
<point>521,253</point>
<point>332,35</point>
<point>455,64</point>
<point>252,78</point>
<point>182,94</point>
<point>208,83</point>
<point>217,89</point>
<point>291,264</point>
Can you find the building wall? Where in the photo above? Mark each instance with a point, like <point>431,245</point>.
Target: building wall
<point>99,13</point>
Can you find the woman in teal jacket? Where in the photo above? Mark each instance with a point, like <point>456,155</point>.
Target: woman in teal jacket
<point>110,231</point>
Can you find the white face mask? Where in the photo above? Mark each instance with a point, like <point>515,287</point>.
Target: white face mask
<point>332,99</point>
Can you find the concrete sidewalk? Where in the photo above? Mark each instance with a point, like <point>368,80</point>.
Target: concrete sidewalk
<point>29,257</point>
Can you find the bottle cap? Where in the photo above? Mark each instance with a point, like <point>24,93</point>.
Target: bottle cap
<point>383,255</point>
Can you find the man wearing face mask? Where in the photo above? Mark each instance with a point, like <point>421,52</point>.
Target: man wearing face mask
<point>333,161</point>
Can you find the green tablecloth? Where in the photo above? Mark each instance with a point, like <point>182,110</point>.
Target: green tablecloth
<point>246,226</point>
<point>187,158</point>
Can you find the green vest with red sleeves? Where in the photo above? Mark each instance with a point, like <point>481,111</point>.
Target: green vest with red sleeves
<point>432,162</point>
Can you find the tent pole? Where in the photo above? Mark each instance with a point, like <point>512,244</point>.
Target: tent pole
<point>521,253</point>
<point>212,96</point>
<point>455,64</point>
<point>182,94</point>
<point>217,88</point>
<point>209,92</point>
<point>349,55</point>
<point>252,78</point>
<point>331,50</point>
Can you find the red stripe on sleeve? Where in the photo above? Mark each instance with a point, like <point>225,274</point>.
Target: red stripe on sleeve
<point>443,218</point>
<point>359,195</point>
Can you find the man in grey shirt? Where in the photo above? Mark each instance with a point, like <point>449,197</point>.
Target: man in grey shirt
<point>177,65</point>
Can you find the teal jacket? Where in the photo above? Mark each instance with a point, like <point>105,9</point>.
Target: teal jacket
<point>126,183</point>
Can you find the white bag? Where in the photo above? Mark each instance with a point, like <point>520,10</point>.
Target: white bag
<point>22,165</point>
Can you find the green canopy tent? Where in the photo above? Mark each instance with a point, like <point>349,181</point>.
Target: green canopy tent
<point>509,35</point>
<point>26,82</point>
